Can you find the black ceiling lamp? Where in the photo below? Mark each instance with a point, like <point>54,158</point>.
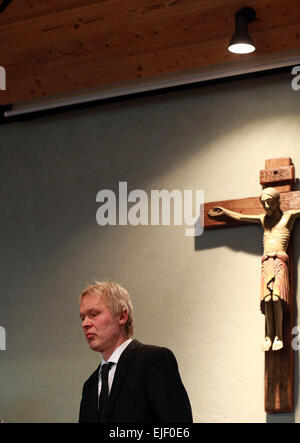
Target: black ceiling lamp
<point>241,42</point>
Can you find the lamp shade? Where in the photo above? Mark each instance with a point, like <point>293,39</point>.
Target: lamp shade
<point>241,41</point>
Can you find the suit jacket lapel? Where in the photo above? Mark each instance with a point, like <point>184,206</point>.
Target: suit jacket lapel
<point>120,375</point>
<point>93,396</point>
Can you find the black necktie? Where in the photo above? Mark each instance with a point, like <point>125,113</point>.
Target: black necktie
<point>103,398</point>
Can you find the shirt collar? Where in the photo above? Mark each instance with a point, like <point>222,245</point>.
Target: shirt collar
<point>114,358</point>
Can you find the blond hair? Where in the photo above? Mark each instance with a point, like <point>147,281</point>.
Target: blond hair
<point>116,298</point>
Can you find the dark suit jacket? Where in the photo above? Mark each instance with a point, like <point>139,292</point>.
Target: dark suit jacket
<point>147,388</point>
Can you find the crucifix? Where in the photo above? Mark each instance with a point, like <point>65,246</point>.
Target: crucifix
<point>276,209</point>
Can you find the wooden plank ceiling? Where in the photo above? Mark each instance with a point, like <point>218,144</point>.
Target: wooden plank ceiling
<point>52,46</point>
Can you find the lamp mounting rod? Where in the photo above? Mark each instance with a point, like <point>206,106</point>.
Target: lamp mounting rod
<point>247,12</point>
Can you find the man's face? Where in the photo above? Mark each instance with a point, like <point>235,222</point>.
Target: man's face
<point>269,204</point>
<point>102,329</point>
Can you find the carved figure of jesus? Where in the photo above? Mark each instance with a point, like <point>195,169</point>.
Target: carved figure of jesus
<point>275,291</point>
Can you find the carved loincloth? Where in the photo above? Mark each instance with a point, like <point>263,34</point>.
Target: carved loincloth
<point>274,278</point>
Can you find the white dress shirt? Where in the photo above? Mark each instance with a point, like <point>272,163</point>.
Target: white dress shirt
<point>114,358</point>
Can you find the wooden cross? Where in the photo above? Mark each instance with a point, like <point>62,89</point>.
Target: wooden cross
<point>279,173</point>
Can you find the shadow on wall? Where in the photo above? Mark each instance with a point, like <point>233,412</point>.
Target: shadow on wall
<point>241,238</point>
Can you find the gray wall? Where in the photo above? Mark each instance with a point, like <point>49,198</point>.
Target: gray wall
<point>200,297</point>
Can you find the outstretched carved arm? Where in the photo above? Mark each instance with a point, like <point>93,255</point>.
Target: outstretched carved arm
<point>218,211</point>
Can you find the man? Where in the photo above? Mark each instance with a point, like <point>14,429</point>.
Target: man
<point>135,383</point>
<point>277,227</point>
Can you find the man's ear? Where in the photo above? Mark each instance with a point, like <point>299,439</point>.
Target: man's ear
<point>123,317</point>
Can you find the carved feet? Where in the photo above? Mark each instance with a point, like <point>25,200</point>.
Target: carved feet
<point>267,344</point>
<point>277,344</point>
